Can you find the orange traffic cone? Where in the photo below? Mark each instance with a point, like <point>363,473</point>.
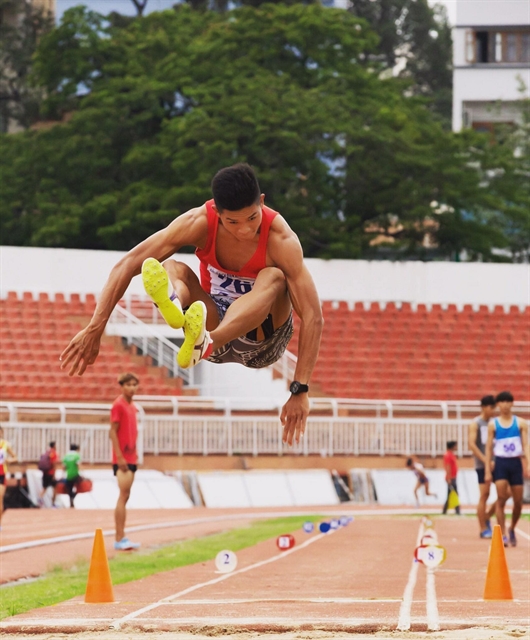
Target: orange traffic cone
<point>99,585</point>
<point>498,585</point>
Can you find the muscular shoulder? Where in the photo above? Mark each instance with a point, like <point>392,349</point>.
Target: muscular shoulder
<point>283,248</point>
<point>191,228</point>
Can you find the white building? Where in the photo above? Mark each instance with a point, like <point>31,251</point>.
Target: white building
<point>491,57</point>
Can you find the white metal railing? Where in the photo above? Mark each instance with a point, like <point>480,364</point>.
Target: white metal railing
<point>217,426</point>
<point>151,342</point>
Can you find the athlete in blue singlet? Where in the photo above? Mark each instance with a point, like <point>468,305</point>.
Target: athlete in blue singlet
<point>508,442</point>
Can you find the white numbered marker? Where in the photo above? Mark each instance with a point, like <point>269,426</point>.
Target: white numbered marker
<point>225,561</point>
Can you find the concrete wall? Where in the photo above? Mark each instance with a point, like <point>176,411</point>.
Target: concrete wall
<point>484,13</point>
<point>72,270</point>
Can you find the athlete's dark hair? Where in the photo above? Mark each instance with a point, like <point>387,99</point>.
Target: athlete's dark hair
<point>409,462</point>
<point>52,444</point>
<point>488,401</point>
<point>451,444</point>
<point>504,396</point>
<point>74,447</point>
<point>235,188</point>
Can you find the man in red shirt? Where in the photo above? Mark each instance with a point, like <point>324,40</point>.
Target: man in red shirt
<point>451,471</point>
<point>123,435</point>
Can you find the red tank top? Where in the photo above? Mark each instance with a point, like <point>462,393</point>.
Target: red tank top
<point>218,281</point>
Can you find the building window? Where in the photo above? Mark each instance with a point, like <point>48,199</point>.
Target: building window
<point>490,46</point>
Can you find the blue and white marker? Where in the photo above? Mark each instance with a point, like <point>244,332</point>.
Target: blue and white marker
<point>324,527</point>
<point>309,527</point>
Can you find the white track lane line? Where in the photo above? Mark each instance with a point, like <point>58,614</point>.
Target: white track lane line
<point>226,576</point>
<point>406,604</point>
<point>433,621</point>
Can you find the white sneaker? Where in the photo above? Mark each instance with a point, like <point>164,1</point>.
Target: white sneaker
<point>197,342</point>
<point>126,545</point>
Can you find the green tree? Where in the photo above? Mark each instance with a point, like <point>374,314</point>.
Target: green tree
<point>21,26</point>
<point>358,168</point>
<point>415,39</point>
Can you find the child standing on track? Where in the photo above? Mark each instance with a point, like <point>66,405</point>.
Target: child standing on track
<point>508,441</point>
<point>71,464</point>
<point>451,471</point>
<point>123,435</point>
<point>477,438</point>
<point>6,455</point>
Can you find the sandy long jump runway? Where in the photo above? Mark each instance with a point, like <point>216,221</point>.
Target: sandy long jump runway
<point>357,579</point>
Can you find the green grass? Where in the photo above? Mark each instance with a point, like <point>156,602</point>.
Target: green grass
<point>65,582</point>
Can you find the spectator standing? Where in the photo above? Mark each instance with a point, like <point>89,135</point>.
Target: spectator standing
<point>508,441</point>
<point>47,463</point>
<point>423,481</point>
<point>123,435</point>
<point>71,464</point>
<point>451,471</point>
<point>7,455</point>
<point>477,438</point>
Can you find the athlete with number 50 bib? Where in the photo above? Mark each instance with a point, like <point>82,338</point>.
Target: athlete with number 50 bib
<point>508,442</point>
<point>252,275</point>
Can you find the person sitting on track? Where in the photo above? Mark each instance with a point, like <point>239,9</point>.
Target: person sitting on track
<point>252,274</point>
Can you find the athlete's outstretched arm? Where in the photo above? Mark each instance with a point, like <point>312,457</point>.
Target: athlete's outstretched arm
<point>304,298</point>
<point>187,229</point>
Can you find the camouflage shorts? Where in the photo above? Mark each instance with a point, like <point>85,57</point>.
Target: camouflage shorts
<point>248,351</point>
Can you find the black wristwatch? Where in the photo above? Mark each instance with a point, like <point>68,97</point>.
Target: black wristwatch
<point>297,388</point>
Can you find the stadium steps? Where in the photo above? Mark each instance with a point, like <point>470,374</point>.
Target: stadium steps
<point>424,353</point>
<point>33,333</point>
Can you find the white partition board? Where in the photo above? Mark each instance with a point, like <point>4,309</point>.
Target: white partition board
<point>313,487</point>
<point>150,490</point>
<point>267,488</point>
<point>223,489</point>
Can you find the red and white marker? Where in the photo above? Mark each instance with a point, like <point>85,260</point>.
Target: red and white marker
<point>285,542</point>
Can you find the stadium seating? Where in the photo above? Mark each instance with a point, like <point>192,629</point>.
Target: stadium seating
<point>424,353</point>
<point>33,333</point>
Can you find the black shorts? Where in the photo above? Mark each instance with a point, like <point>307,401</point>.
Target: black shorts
<point>132,467</point>
<point>480,475</point>
<point>509,469</point>
<point>48,480</point>
<point>2,479</point>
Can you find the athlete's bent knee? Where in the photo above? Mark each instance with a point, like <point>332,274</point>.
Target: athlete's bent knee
<point>177,269</point>
<point>274,277</point>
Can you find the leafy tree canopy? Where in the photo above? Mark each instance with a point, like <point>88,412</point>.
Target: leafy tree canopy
<point>146,112</point>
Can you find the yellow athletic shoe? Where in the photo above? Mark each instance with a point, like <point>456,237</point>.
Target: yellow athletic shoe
<point>197,342</point>
<point>156,285</point>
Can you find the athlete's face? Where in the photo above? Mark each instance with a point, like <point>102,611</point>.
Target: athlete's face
<point>245,223</point>
<point>489,411</point>
<point>129,389</point>
<point>505,408</point>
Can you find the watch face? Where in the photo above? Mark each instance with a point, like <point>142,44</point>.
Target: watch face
<point>297,387</point>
